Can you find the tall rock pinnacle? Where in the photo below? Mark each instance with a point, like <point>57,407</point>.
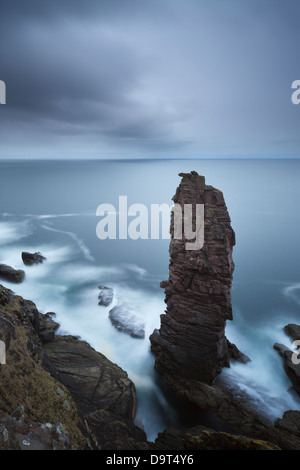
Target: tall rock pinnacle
<point>191,341</point>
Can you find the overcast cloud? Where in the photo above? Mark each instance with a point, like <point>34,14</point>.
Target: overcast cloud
<point>149,78</point>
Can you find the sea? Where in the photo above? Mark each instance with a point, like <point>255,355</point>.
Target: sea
<point>51,207</point>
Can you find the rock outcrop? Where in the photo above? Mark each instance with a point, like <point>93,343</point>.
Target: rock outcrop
<point>106,296</point>
<point>11,275</point>
<point>291,361</point>
<point>56,391</point>
<point>190,348</point>
<point>32,258</point>
<point>191,341</point>
<point>126,321</point>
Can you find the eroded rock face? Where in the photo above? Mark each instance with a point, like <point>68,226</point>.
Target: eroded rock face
<point>94,381</point>
<point>191,340</point>
<point>56,391</point>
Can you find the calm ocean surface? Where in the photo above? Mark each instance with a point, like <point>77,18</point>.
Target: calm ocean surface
<point>51,207</point>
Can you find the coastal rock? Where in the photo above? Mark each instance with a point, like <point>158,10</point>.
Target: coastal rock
<point>29,405</point>
<point>291,360</point>
<point>207,439</point>
<point>47,327</point>
<point>10,274</point>
<point>94,382</point>
<point>289,424</point>
<point>190,348</point>
<point>127,321</point>
<point>203,438</point>
<point>293,331</point>
<point>56,391</point>
<point>32,258</point>
<point>235,354</point>
<point>106,296</point>
<point>191,340</point>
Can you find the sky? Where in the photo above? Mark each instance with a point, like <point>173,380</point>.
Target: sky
<point>149,79</point>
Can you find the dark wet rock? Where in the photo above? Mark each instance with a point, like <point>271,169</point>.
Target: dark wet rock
<point>11,275</point>
<point>170,439</point>
<point>47,327</point>
<point>127,321</point>
<point>94,382</point>
<point>203,438</point>
<point>113,432</point>
<point>208,439</point>
<point>106,296</point>
<point>32,258</point>
<point>291,359</point>
<point>235,354</point>
<point>293,331</point>
<point>290,425</point>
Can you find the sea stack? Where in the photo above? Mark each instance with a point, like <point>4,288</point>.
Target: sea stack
<point>191,342</point>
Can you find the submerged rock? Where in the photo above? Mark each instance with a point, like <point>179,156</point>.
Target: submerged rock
<point>106,296</point>
<point>127,321</point>
<point>32,258</point>
<point>10,274</point>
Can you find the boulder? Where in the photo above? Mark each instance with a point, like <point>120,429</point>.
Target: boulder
<point>106,296</point>
<point>94,382</point>
<point>10,274</point>
<point>32,258</point>
<point>127,321</point>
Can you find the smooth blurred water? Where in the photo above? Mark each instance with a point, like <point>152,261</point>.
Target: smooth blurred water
<point>51,207</point>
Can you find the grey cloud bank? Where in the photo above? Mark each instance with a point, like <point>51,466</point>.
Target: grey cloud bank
<point>140,79</point>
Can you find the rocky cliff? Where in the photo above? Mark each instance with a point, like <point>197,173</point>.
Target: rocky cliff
<point>190,348</point>
<point>56,391</point>
<point>191,340</point>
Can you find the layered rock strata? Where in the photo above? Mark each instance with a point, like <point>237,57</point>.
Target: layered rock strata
<point>191,340</point>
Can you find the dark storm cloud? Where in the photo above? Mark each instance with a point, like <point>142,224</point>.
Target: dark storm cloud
<point>148,78</point>
<point>69,71</point>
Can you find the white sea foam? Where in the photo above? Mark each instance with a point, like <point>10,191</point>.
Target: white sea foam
<point>85,250</point>
<point>293,292</point>
<point>12,231</point>
<point>263,379</point>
